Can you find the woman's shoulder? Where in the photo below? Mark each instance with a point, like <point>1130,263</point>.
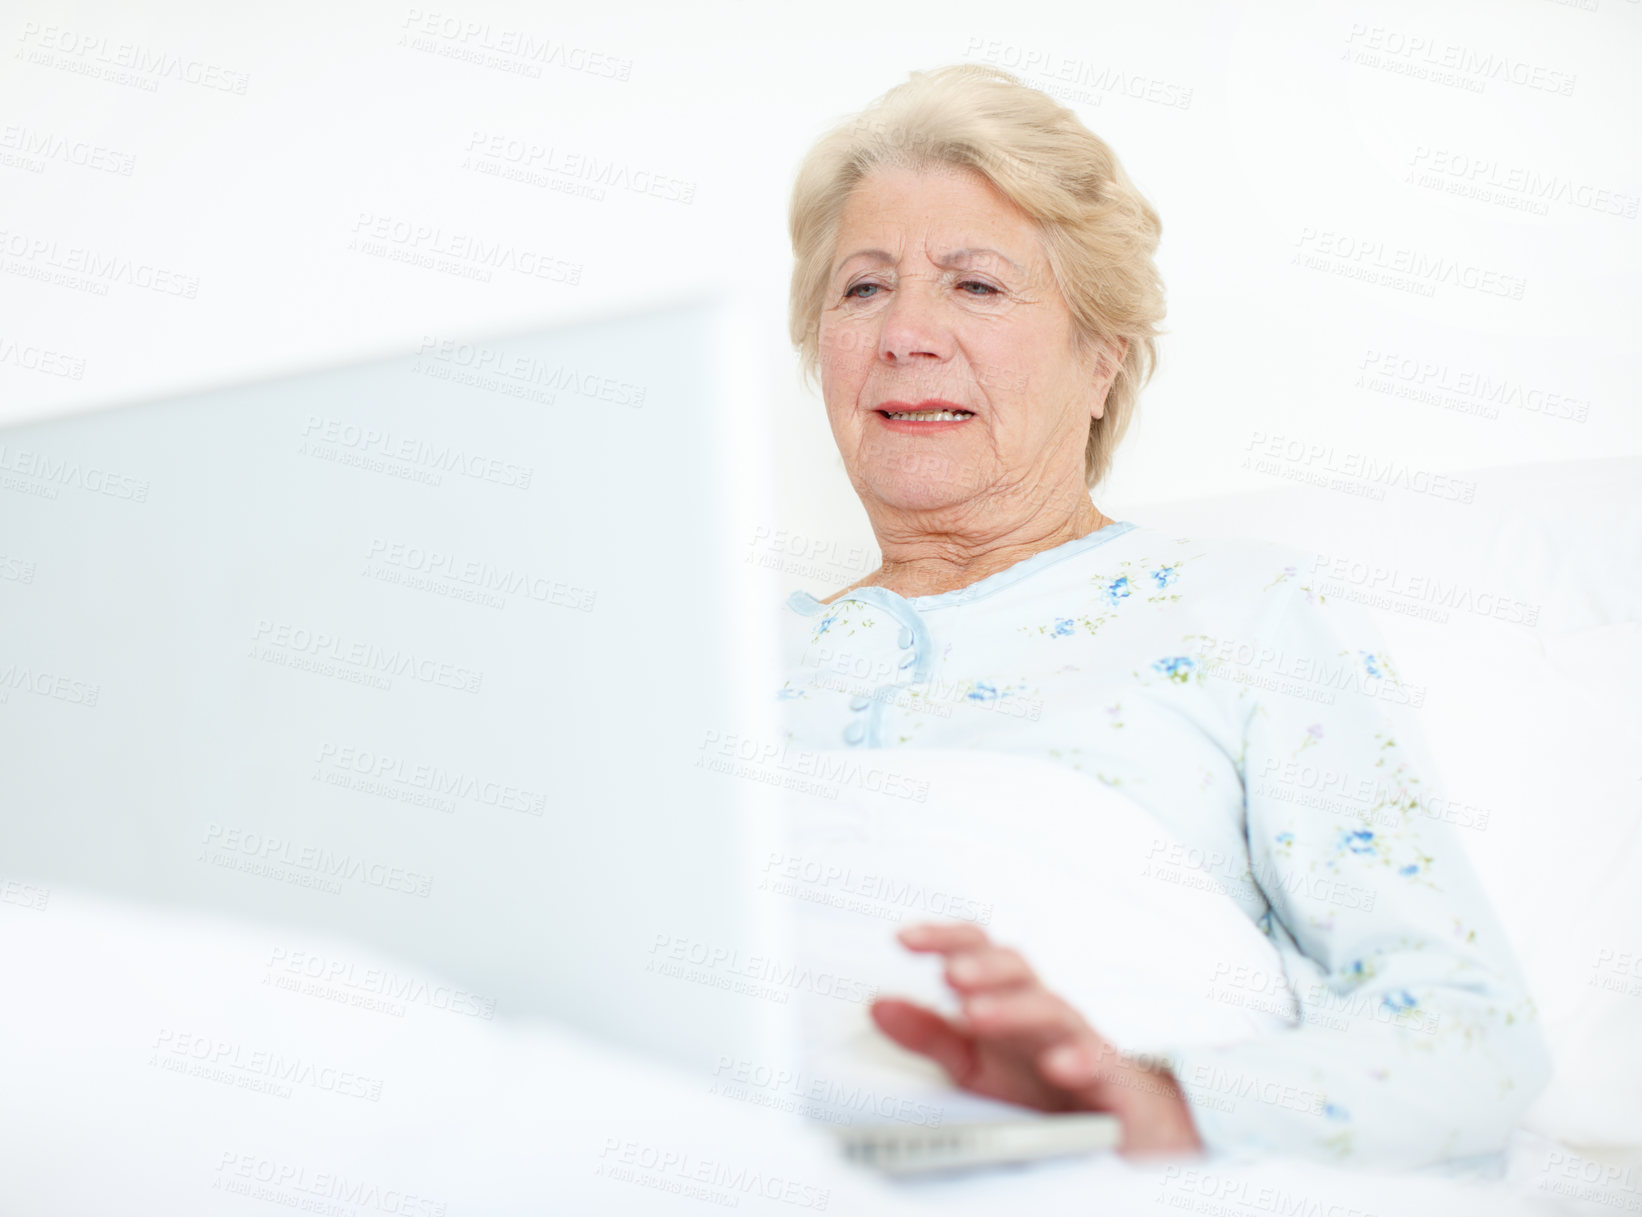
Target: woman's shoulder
<point>1205,586</point>
<point>1260,592</point>
<point>1229,566</point>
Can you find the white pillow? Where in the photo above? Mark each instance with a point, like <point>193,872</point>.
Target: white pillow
<point>1551,546</point>
<point>1541,737</point>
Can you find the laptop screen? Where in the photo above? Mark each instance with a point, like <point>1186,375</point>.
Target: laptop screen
<point>423,654</point>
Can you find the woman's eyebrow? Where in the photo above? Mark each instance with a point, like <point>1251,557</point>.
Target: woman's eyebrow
<point>967,257</point>
<point>954,259</point>
<point>877,255</point>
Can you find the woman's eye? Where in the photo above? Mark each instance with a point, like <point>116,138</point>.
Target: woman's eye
<point>986,288</point>
<point>850,292</point>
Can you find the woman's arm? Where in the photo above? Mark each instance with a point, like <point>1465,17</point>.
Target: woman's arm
<point>1418,1041</point>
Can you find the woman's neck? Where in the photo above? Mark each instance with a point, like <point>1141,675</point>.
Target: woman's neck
<point>929,563</point>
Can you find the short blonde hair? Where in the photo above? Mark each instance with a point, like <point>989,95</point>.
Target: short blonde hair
<point>1099,233</point>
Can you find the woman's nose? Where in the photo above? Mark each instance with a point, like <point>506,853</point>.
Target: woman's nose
<point>913,325</point>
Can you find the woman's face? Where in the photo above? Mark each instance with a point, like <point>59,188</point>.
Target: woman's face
<point>941,299</point>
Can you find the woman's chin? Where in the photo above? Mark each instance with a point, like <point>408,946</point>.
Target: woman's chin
<point>921,496</point>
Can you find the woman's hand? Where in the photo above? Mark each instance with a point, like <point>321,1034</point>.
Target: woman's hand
<point>1017,1041</point>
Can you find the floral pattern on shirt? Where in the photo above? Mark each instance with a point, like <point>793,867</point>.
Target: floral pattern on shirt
<point>841,619</point>
<point>1147,582</point>
<point>1292,572</point>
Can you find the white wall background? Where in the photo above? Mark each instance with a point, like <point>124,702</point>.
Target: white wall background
<point>183,187</point>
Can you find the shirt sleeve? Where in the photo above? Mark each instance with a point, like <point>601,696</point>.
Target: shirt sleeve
<point>1416,1040</point>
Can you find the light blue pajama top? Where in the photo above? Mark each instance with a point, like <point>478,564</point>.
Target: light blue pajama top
<point>1265,725</point>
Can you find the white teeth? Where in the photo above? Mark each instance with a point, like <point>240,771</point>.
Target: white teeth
<point>930,416</point>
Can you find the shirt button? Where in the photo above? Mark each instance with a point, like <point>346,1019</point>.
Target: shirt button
<point>855,733</point>
<point>860,703</point>
<point>906,638</point>
<point>909,661</point>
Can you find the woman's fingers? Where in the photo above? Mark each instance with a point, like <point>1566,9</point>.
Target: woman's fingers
<point>1014,1039</point>
<point>1079,1062</point>
<point>1030,1013</point>
<point>927,1033</point>
<point>987,967</point>
<point>973,963</point>
<point>935,936</point>
<point>1047,1032</point>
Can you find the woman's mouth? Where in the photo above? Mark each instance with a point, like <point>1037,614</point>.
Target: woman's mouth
<point>926,416</point>
<point>919,415</point>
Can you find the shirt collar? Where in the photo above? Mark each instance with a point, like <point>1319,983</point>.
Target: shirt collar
<point>809,606</point>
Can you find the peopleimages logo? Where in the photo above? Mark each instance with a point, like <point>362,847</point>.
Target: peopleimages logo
<point>710,1180</point>
<point>269,852</point>
<point>39,359</point>
<point>486,363</point>
<point>1078,79</point>
<point>492,46</point>
<point>123,62</point>
<point>424,244</point>
<point>1312,460</point>
<point>1381,586</point>
<point>252,1068</point>
<point>1221,1193</point>
<point>426,456</point>
<point>1370,259</point>
<point>59,471</point>
<point>1308,677</point>
<point>99,269</point>
<point>869,893</point>
<point>1436,59</point>
<point>287,965</point>
<point>392,769</point>
<point>279,1182</point>
<point>815,1096</point>
<point>24,679</point>
<point>684,958</point>
<point>319,649</point>
<point>744,756</point>
<point>1484,388</point>
<point>40,146</point>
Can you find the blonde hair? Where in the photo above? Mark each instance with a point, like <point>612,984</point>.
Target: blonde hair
<point>1099,233</point>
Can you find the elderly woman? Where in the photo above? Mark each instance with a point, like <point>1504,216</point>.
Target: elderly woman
<point>974,277</point>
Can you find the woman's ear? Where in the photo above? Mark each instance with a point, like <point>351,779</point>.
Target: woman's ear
<point>1108,362</point>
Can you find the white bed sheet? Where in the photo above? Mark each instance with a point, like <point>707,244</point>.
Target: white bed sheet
<point>486,1116</point>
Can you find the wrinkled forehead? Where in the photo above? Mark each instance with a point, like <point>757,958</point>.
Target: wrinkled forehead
<point>938,218</point>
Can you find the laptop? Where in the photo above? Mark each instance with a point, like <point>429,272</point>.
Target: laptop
<point>426,654</point>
